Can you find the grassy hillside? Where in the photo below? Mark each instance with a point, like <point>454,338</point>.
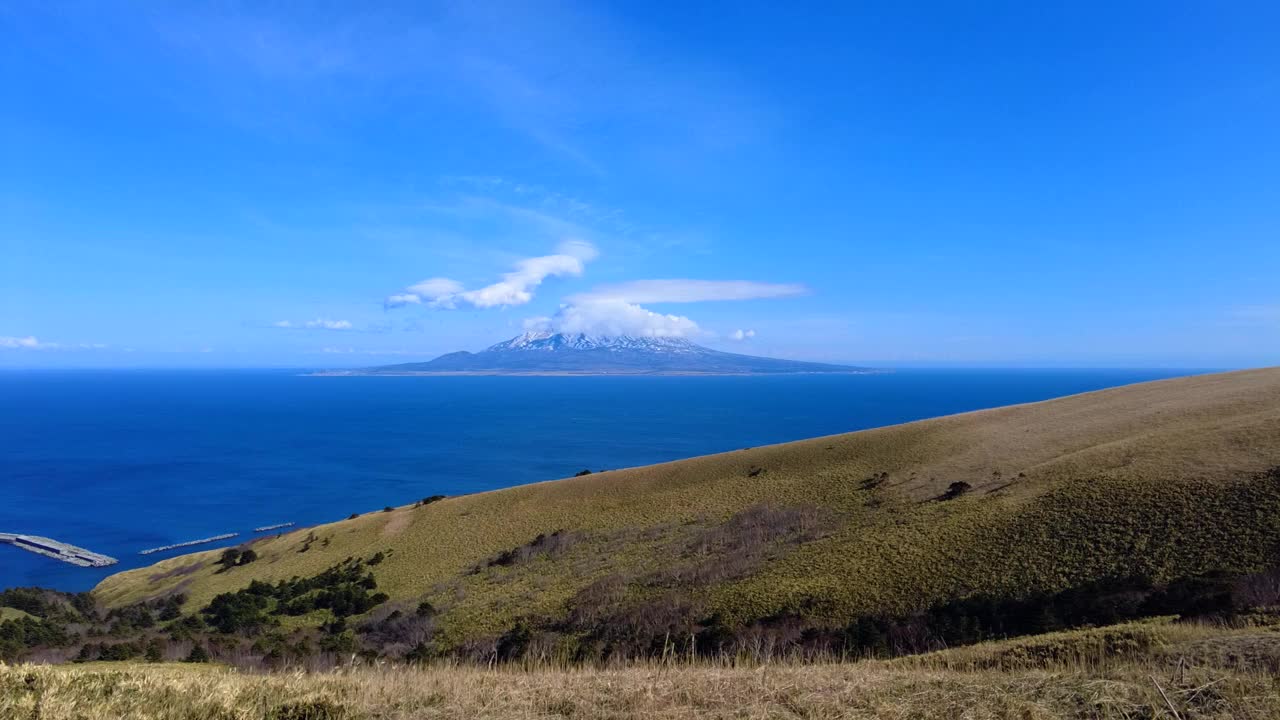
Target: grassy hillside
<point>1159,480</point>
<point>1146,670</point>
<point>8,613</point>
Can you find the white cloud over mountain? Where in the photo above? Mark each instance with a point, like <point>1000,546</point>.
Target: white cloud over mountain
<point>609,310</point>
<point>613,318</point>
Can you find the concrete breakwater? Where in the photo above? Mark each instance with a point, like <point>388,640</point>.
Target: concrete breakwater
<point>57,550</point>
<point>188,543</point>
<point>277,526</point>
<point>87,558</point>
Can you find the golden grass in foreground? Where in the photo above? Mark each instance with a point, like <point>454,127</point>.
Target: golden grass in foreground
<point>862,690</point>
<point>1097,679</point>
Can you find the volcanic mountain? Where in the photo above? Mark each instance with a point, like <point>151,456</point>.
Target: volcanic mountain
<point>535,353</point>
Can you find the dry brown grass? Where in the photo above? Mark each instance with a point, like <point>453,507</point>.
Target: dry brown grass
<point>952,684</point>
<point>400,519</point>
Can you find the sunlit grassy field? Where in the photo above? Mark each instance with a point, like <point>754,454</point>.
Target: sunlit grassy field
<point>1104,484</point>
<point>1161,481</point>
<point>1140,670</point>
<point>8,613</point>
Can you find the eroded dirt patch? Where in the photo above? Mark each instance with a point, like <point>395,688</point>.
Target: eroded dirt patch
<point>400,519</point>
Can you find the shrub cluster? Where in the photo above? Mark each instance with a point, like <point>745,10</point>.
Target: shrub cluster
<point>49,604</point>
<point>51,613</point>
<point>669,624</point>
<point>21,634</point>
<point>542,545</point>
<point>343,589</point>
<point>1107,602</point>
<point>144,615</point>
<point>115,651</point>
<point>232,557</point>
<point>396,633</point>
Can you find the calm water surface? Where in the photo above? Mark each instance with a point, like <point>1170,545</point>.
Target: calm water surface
<point>126,460</point>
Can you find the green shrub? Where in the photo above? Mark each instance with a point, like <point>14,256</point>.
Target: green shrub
<point>229,558</point>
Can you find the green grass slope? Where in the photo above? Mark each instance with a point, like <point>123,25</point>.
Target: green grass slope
<point>8,613</point>
<point>1157,479</point>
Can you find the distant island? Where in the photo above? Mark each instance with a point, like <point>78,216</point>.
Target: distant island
<point>546,353</point>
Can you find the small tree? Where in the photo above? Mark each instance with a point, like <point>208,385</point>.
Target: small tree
<point>956,489</point>
<point>230,557</point>
<point>420,653</point>
<point>198,654</point>
<point>88,652</point>
<point>155,650</point>
<point>342,643</point>
<point>247,557</point>
<point>580,473</point>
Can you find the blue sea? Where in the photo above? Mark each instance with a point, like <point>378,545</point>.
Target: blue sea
<point>119,461</point>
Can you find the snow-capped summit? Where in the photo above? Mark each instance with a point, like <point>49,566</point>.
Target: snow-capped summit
<point>550,341</point>
<point>551,353</point>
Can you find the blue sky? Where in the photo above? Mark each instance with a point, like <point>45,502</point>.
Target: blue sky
<point>268,184</point>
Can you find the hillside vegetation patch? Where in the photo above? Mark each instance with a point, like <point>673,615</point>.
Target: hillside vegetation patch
<point>1159,482</point>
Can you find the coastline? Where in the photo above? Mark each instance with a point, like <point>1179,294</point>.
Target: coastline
<point>574,373</point>
<point>308,443</point>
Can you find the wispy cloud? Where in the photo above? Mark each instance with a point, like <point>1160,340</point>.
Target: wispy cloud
<point>435,292</point>
<point>555,211</point>
<point>683,290</point>
<point>317,324</point>
<point>515,287</point>
<point>551,73</point>
<point>617,310</point>
<point>21,343</point>
<point>30,342</point>
<point>542,215</point>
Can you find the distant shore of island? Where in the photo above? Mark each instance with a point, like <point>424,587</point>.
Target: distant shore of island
<point>575,373</point>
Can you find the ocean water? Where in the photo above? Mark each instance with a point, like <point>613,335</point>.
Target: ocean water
<point>119,461</point>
